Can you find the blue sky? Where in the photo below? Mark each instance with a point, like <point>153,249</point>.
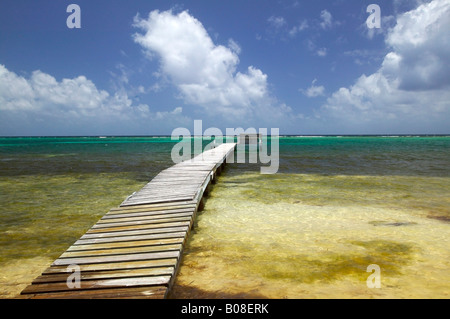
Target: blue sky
<point>147,67</point>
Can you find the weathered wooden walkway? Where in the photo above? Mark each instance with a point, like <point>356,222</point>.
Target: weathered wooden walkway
<point>135,249</point>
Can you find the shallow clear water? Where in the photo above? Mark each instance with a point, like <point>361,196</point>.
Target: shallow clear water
<point>53,190</point>
<point>337,205</point>
<point>313,236</point>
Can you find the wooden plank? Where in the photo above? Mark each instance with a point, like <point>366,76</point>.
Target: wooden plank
<point>148,292</point>
<point>128,212</point>
<point>178,180</point>
<point>142,222</point>
<point>98,284</point>
<point>190,170</point>
<point>168,176</point>
<point>182,191</point>
<point>180,226</point>
<point>174,178</point>
<point>137,243</point>
<point>177,177</point>
<point>110,219</point>
<point>151,225</point>
<point>115,258</point>
<point>156,200</point>
<point>179,234</point>
<point>171,186</point>
<point>134,234</point>
<point>168,188</point>
<point>157,206</point>
<point>166,180</point>
<point>107,274</point>
<point>168,192</point>
<point>153,198</point>
<point>196,171</point>
<point>194,164</point>
<point>185,171</point>
<point>153,263</point>
<point>142,217</point>
<point>120,251</point>
<point>158,195</point>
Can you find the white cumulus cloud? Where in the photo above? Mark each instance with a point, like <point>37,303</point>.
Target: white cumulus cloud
<point>322,52</point>
<point>277,22</point>
<point>206,74</point>
<point>326,19</point>
<point>313,90</point>
<point>298,28</point>
<point>41,104</point>
<point>412,85</point>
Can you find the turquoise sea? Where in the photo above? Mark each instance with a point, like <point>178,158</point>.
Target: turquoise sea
<point>337,205</point>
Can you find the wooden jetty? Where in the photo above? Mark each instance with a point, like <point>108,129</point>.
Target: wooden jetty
<point>249,138</point>
<point>135,249</point>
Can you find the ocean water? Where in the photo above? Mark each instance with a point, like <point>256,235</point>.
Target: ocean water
<point>336,206</point>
